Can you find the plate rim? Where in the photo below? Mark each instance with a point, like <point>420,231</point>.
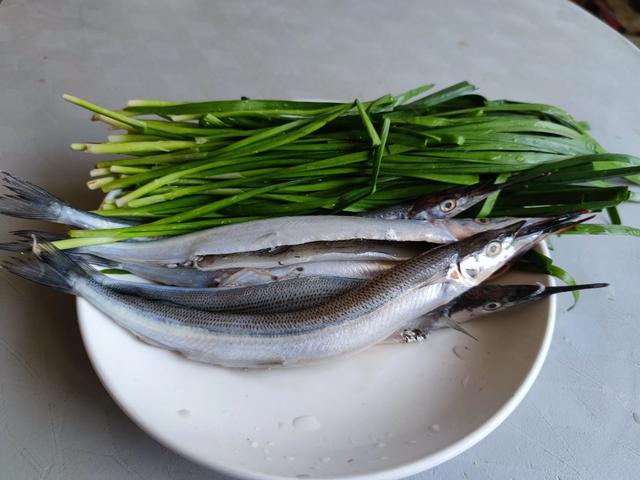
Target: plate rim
<point>411,468</point>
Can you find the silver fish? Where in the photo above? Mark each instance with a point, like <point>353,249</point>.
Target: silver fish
<point>479,301</point>
<point>349,323</point>
<point>342,251</point>
<point>180,276</point>
<point>294,294</point>
<point>31,201</point>
<point>276,232</point>
<point>362,269</point>
<point>282,296</point>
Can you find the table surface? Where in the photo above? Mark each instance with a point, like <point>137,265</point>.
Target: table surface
<point>582,417</point>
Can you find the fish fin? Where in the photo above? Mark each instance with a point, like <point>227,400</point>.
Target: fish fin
<point>34,269</point>
<point>28,200</point>
<point>64,264</point>
<point>451,323</point>
<point>48,236</point>
<point>25,244</point>
<point>19,246</point>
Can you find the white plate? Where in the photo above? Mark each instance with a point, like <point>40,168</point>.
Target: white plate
<point>387,413</point>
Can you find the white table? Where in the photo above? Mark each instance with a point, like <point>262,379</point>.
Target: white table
<point>57,422</point>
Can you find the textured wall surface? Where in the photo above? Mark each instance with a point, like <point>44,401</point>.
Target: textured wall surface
<point>582,417</point>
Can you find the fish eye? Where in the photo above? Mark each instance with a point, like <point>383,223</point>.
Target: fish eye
<point>492,306</point>
<point>447,205</point>
<point>493,248</point>
<point>482,221</point>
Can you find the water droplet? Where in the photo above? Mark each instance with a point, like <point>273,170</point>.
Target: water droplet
<point>281,425</point>
<point>465,381</point>
<point>435,428</point>
<point>411,442</point>
<point>306,422</point>
<point>389,435</point>
<point>289,458</point>
<point>353,442</point>
<point>383,458</point>
<point>254,444</point>
<point>636,417</point>
<point>381,445</point>
<point>183,412</point>
<point>460,351</point>
<point>325,459</point>
<point>271,443</point>
<point>268,459</point>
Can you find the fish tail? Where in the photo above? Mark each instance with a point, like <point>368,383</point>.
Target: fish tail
<point>29,234</point>
<point>28,200</point>
<point>26,242</point>
<point>63,263</point>
<point>18,246</point>
<point>32,268</point>
<point>26,245</point>
<point>50,266</point>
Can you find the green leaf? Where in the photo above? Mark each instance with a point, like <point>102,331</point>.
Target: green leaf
<point>490,201</point>
<point>441,96</point>
<point>113,271</point>
<point>409,94</point>
<point>371,130</point>
<point>377,160</point>
<point>536,262</point>
<point>614,215</point>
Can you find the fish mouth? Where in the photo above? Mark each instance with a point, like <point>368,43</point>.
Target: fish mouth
<point>544,291</point>
<point>552,225</point>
